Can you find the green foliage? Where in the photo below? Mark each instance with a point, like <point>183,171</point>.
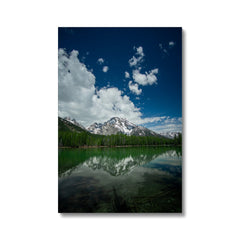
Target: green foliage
<point>76,139</point>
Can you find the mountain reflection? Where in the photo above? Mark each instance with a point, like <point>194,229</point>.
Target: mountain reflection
<point>120,161</point>
<point>134,179</point>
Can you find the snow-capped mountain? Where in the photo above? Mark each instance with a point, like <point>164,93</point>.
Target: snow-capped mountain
<point>119,125</point>
<point>170,134</point>
<point>73,121</point>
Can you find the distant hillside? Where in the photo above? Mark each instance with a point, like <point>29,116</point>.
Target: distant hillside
<point>69,126</point>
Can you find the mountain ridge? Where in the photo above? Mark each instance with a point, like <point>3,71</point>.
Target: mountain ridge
<point>113,126</point>
<point>64,124</point>
<point>120,125</point>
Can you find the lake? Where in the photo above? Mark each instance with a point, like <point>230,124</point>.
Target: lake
<point>126,179</point>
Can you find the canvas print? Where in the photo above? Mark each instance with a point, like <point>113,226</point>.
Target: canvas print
<point>119,120</point>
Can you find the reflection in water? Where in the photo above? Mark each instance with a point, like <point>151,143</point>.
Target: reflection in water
<point>120,180</point>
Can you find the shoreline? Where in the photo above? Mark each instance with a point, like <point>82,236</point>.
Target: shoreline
<point>87,147</point>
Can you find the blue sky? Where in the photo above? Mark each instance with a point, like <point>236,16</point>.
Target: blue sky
<point>134,73</point>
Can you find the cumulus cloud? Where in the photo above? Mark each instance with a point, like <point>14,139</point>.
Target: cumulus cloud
<point>127,75</point>
<point>109,102</point>
<point>76,85</point>
<point>78,97</point>
<point>105,68</point>
<point>138,58</point>
<point>134,88</point>
<point>100,61</point>
<point>154,71</point>
<point>139,51</point>
<point>146,78</point>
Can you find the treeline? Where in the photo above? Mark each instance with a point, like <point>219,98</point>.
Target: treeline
<point>76,139</point>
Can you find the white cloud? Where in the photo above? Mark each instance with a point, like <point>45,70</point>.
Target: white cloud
<point>154,71</point>
<point>100,61</point>
<point>133,61</point>
<point>139,51</point>
<point>134,88</point>
<point>152,120</point>
<point>105,68</point>
<point>145,79</point>
<point>168,125</point>
<point>167,128</point>
<point>127,75</point>
<point>138,58</point>
<point>78,97</point>
<point>72,73</point>
<point>171,44</point>
<point>109,102</point>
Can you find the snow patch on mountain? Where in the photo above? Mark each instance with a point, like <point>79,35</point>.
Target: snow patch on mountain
<point>170,134</point>
<point>120,125</point>
<point>73,121</point>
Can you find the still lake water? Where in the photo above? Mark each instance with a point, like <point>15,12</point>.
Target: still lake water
<point>130,179</point>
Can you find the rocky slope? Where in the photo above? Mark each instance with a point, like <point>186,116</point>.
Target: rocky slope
<point>119,125</point>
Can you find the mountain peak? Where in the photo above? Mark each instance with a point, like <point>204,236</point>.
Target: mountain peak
<point>117,125</point>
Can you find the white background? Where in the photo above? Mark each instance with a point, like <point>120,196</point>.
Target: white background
<point>28,121</point>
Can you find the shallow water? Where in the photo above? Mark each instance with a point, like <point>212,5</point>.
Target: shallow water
<point>136,179</point>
